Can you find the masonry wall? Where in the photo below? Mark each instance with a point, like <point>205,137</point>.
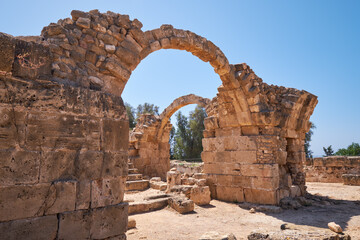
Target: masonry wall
<point>331,169</point>
<point>63,153</point>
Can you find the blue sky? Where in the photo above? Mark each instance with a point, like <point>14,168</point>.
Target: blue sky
<point>309,45</point>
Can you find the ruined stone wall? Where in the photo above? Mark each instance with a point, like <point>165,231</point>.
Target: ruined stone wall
<point>259,162</point>
<point>149,153</point>
<point>331,169</point>
<point>63,152</point>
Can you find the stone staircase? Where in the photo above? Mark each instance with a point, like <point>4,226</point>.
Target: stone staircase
<point>135,180</point>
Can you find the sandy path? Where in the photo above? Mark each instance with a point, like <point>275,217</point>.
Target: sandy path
<point>228,217</point>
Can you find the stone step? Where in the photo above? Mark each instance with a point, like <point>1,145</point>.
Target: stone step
<point>130,165</point>
<point>134,176</point>
<point>147,206</point>
<point>133,170</point>
<point>137,185</point>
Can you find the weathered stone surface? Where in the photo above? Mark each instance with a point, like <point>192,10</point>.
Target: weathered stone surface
<point>40,228</point>
<point>332,169</point>
<point>335,227</point>
<point>296,234</point>
<point>217,236</point>
<point>19,167</point>
<point>131,223</point>
<point>106,192</point>
<point>7,49</point>
<point>181,205</point>
<point>31,60</point>
<point>99,223</point>
<point>24,201</point>
<point>109,221</point>
<point>200,195</point>
<point>351,179</point>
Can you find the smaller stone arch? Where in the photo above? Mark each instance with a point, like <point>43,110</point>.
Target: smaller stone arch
<point>176,105</point>
<point>149,148</point>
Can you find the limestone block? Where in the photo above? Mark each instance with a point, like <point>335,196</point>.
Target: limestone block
<point>109,191</point>
<point>250,130</point>
<point>97,223</point>
<point>260,170</point>
<point>83,22</point>
<point>32,228</point>
<point>261,196</point>
<point>12,124</point>
<point>131,223</point>
<point>351,179</point>
<point>335,227</point>
<point>211,123</point>
<point>181,205</point>
<point>295,191</point>
<point>188,181</point>
<point>109,221</point>
<point>88,165</point>
<point>217,236</point>
<point>173,178</point>
<point>239,181</point>
<point>75,225</point>
<point>200,195</point>
<point>7,49</point>
<point>57,165</point>
<point>208,157</point>
<point>26,201</point>
<point>115,135</point>
<point>246,143</point>
<point>243,157</point>
<point>19,167</point>
<point>229,194</point>
<point>201,182</point>
<point>265,183</point>
<point>115,164</point>
<point>83,194</point>
<point>32,61</point>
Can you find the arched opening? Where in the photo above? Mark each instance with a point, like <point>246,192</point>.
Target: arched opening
<point>149,148</point>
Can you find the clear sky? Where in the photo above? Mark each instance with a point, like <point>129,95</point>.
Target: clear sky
<point>309,45</point>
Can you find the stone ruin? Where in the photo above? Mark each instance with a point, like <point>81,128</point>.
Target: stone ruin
<point>64,130</point>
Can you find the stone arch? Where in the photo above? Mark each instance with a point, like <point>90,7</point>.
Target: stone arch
<point>149,140</point>
<point>176,105</point>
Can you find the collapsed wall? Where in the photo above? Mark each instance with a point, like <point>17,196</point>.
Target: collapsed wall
<point>331,169</point>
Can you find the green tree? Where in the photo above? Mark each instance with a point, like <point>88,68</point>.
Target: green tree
<point>171,142</point>
<point>351,150</point>
<point>189,134</point>
<point>146,108</point>
<point>308,136</point>
<point>131,115</point>
<point>328,151</point>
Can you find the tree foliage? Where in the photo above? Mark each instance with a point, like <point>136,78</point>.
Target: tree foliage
<point>146,108</point>
<point>308,136</point>
<point>351,150</point>
<point>187,143</point>
<point>328,151</point>
<point>131,115</point>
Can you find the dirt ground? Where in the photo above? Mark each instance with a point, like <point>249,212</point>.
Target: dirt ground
<point>225,217</point>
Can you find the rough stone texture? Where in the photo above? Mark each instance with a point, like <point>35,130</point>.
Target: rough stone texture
<point>63,148</point>
<point>331,169</point>
<point>181,205</point>
<point>64,129</point>
<point>217,236</point>
<point>297,235</point>
<point>200,195</point>
<point>351,179</point>
<point>40,228</point>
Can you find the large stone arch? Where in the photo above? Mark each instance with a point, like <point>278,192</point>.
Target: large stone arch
<point>149,140</point>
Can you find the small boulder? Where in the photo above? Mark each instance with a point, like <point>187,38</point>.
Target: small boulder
<point>335,227</point>
<point>131,223</point>
<point>217,236</point>
<point>181,205</point>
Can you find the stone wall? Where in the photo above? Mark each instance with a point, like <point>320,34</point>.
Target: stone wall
<point>63,152</point>
<point>331,169</point>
